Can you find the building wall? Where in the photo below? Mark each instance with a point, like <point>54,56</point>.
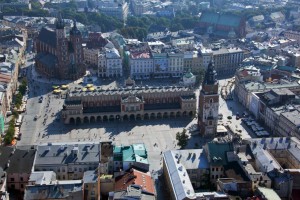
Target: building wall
<point>72,171</point>
<point>216,172</point>
<point>227,63</point>
<point>254,105</point>
<point>198,177</point>
<point>175,64</point>
<point>141,68</point>
<point>208,109</point>
<point>114,67</point>
<point>17,181</point>
<point>91,56</point>
<point>91,191</point>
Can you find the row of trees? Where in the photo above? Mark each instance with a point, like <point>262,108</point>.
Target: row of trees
<point>135,27</point>
<point>21,93</point>
<point>9,136</point>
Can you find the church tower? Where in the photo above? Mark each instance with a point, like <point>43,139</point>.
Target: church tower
<point>75,53</point>
<point>60,28</point>
<point>209,103</point>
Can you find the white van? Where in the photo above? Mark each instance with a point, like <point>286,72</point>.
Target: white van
<point>19,120</point>
<point>8,113</point>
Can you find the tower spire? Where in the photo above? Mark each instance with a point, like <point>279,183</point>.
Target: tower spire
<point>210,74</point>
<point>60,24</point>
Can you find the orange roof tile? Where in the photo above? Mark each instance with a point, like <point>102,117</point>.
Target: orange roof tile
<point>135,177</point>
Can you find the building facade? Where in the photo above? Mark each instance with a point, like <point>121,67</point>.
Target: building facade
<point>209,103</point>
<point>58,56</point>
<point>97,105</point>
<point>110,63</point>
<point>68,161</point>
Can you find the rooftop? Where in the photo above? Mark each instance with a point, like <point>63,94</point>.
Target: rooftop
<point>220,19</point>
<point>90,176</point>
<point>135,177</point>
<point>218,153</point>
<point>268,193</point>
<point>259,145</point>
<point>60,190</point>
<point>20,161</point>
<point>62,153</point>
<point>79,91</point>
<point>42,178</point>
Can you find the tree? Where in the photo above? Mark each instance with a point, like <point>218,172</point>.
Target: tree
<point>182,138</point>
<point>9,136</point>
<point>23,87</point>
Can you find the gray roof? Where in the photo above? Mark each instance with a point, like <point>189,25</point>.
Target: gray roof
<point>42,178</point>
<point>293,117</point>
<point>48,36</point>
<point>258,18</point>
<point>133,191</point>
<point>127,91</point>
<point>47,59</point>
<point>61,190</point>
<point>260,147</point>
<point>90,176</point>
<point>20,161</point>
<point>178,175</point>
<point>63,154</point>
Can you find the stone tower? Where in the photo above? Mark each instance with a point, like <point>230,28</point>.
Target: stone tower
<point>209,103</point>
<point>75,52</point>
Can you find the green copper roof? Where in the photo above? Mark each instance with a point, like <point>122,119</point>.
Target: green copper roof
<point>218,153</point>
<point>189,75</point>
<point>220,19</point>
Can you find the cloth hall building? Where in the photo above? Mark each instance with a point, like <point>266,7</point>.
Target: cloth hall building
<point>87,105</point>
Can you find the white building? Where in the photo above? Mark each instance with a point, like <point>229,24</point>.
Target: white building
<point>175,64</point>
<point>189,79</point>
<point>114,8</point>
<point>110,63</point>
<point>141,64</point>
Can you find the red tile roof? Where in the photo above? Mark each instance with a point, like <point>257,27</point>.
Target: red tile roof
<point>137,178</point>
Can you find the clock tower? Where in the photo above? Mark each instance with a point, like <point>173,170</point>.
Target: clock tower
<point>209,103</point>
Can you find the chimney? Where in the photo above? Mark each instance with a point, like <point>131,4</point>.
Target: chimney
<point>75,152</point>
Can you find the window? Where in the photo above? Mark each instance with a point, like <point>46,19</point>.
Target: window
<point>217,176</point>
<point>21,178</point>
<point>217,169</point>
<point>213,169</point>
<point>212,176</point>
<point>12,179</point>
<point>22,186</point>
